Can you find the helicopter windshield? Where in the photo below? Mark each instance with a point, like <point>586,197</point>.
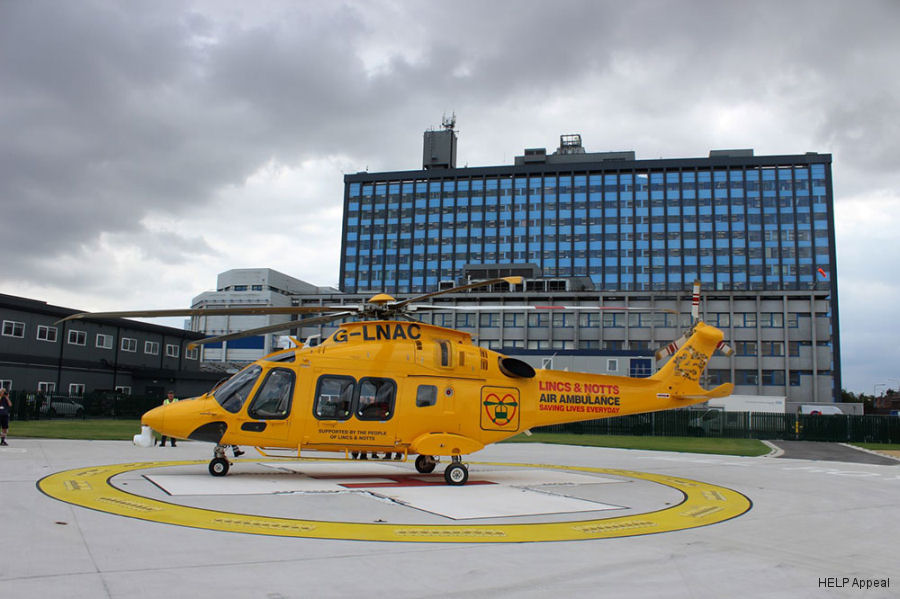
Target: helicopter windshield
<point>234,393</point>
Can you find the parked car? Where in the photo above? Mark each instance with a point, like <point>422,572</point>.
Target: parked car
<point>710,421</point>
<point>61,406</point>
<point>714,422</point>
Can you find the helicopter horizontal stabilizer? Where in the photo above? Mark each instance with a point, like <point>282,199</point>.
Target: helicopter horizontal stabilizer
<point>723,390</point>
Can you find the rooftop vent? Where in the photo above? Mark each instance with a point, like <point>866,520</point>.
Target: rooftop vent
<point>570,144</point>
<point>747,153</point>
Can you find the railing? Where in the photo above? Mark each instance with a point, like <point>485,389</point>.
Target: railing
<point>37,406</point>
<point>743,425</point>
<point>674,423</point>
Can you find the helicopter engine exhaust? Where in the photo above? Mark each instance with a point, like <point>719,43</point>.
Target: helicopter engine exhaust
<point>516,368</point>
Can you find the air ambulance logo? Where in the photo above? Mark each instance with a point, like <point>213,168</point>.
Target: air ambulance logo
<point>500,409</point>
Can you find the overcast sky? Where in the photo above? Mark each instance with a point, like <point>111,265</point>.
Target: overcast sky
<point>147,146</point>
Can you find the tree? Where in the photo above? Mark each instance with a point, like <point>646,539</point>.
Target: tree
<point>868,401</point>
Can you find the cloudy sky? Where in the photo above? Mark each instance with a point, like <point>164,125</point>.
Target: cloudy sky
<point>147,146</point>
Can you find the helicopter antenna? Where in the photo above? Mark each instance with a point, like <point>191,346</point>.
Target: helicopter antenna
<point>548,362</point>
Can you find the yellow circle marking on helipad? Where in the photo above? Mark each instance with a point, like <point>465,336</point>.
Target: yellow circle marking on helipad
<point>703,504</point>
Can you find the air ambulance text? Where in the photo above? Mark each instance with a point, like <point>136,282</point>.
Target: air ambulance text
<point>583,400</point>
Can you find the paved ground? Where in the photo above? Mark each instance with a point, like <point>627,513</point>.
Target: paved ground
<point>832,452</point>
<point>813,524</point>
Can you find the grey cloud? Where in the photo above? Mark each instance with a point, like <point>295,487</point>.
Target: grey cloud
<point>152,105</point>
<point>110,111</point>
<point>865,130</point>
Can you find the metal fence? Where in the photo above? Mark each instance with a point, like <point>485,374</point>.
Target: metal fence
<point>673,423</point>
<point>743,425</point>
<point>37,406</point>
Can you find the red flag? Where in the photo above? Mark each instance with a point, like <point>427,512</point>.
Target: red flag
<point>822,272</point>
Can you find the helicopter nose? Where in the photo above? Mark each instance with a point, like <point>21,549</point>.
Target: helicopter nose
<point>155,418</point>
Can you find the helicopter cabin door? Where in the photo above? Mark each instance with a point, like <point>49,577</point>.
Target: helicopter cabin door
<point>353,413</point>
<point>267,420</point>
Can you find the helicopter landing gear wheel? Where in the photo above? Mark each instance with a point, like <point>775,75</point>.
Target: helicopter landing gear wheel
<point>456,474</point>
<point>425,464</point>
<point>219,466</point>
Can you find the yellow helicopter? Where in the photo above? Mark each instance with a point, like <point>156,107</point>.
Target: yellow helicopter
<point>390,384</point>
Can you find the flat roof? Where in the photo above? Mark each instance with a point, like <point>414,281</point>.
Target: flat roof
<point>605,165</point>
<point>41,307</point>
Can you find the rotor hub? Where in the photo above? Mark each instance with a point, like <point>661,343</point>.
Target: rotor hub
<point>381,299</point>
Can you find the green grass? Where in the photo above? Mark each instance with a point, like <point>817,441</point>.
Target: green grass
<point>740,447</point>
<point>69,428</point>
<point>74,428</point>
<point>878,446</point>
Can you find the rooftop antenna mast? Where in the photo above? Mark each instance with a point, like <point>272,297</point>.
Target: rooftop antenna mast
<point>439,149</point>
<point>449,123</point>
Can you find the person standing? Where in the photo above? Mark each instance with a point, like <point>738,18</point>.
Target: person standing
<point>170,398</point>
<point>5,409</point>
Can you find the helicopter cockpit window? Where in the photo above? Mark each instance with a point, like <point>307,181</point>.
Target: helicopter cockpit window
<point>334,396</point>
<point>235,391</point>
<point>273,400</point>
<point>426,396</point>
<point>376,399</point>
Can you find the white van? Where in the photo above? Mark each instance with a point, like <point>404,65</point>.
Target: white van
<point>820,410</point>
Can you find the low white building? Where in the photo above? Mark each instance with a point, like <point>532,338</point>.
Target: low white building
<point>769,404</point>
<point>246,287</point>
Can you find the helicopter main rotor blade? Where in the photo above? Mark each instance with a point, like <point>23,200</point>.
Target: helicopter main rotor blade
<point>417,307</point>
<point>273,328</point>
<point>419,298</point>
<point>243,310</point>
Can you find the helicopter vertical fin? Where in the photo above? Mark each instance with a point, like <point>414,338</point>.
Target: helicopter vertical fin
<point>681,374</point>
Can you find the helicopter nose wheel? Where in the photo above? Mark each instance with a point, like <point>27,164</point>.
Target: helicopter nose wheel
<point>425,464</point>
<point>456,473</point>
<point>219,466</point>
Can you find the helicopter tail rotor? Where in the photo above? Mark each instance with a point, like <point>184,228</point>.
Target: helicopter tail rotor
<point>670,349</point>
<point>681,374</point>
<point>695,303</point>
<point>724,348</point>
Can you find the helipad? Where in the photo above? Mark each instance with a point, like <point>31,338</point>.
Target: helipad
<point>811,522</point>
<point>492,494</point>
<point>521,502</point>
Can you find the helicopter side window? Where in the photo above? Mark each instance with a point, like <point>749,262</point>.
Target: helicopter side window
<point>234,393</point>
<point>446,355</point>
<point>426,396</point>
<point>273,400</point>
<point>334,396</point>
<point>376,399</point>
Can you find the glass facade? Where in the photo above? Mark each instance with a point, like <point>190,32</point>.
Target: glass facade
<point>757,231</point>
<point>758,224</point>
